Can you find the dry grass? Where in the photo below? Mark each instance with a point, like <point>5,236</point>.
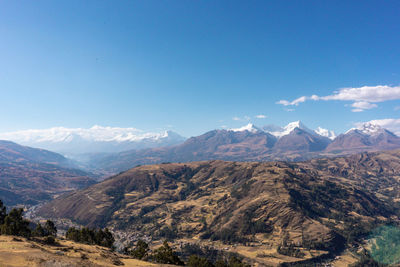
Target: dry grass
<point>22,252</point>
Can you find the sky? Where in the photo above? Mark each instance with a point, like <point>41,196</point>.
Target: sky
<point>193,66</point>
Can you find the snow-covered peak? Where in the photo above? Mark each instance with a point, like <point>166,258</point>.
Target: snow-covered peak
<point>249,127</point>
<point>289,128</point>
<point>367,128</point>
<point>95,133</point>
<point>94,139</point>
<point>293,125</point>
<point>326,133</point>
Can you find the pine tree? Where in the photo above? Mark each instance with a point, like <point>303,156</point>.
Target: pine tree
<point>15,224</point>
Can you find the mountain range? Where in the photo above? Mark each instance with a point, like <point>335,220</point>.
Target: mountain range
<point>294,142</point>
<point>97,139</point>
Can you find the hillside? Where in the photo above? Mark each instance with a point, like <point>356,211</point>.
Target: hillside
<point>29,175</point>
<point>13,152</point>
<point>18,251</point>
<point>321,204</point>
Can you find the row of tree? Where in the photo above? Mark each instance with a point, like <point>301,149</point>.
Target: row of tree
<point>166,255</point>
<point>91,236</point>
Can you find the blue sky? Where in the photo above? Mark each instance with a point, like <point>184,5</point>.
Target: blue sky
<point>192,66</point>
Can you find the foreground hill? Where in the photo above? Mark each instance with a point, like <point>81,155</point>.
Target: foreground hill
<point>321,204</point>
<point>294,142</point>
<point>29,175</point>
<point>18,251</point>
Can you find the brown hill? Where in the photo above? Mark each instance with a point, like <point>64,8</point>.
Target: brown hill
<point>29,175</point>
<point>321,204</point>
<point>18,251</point>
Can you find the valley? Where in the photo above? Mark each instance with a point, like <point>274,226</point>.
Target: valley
<point>269,213</point>
<point>29,176</point>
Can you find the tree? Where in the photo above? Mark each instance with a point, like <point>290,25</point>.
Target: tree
<point>73,234</point>
<point>166,255</point>
<point>91,236</point>
<point>141,250</point>
<point>3,212</point>
<point>15,224</point>
<point>104,238</point>
<point>196,261</point>
<point>39,231</point>
<point>235,262</point>
<point>50,228</point>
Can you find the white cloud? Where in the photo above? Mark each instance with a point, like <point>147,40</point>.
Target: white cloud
<point>362,105</point>
<point>379,93</point>
<point>363,97</point>
<point>261,116</point>
<point>295,102</point>
<point>392,125</point>
<point>244,118</point>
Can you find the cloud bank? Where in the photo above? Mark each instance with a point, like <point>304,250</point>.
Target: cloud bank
<point>363,98</point>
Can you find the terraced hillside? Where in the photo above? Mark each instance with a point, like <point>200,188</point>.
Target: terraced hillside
<point>322,204</point>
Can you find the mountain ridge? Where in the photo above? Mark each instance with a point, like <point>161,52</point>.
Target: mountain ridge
<point>251,143</point>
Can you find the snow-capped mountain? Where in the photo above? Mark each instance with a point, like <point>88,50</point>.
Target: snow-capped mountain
<point>96,139</point>
<point>279,132</point>
<point>326,133</point>
<point>292,142</point>
<point>368,128</point>
<point>366,136</point>
<point>249,127</point>
<point>297,137</point>
<point>282,131</point>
